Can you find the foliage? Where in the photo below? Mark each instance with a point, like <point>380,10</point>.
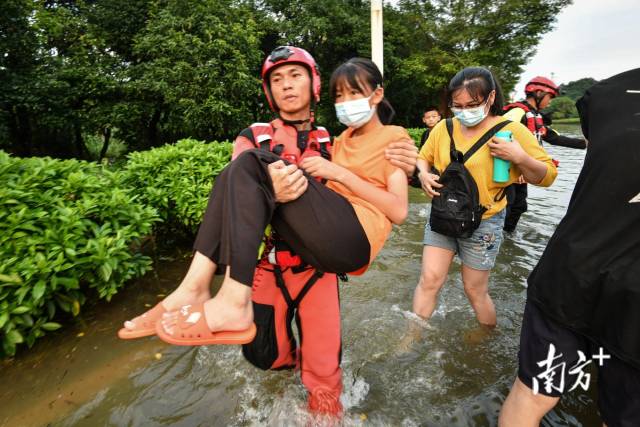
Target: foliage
<point>94,143</point>
<point>440,37</point>
<point>176,180</point>
<point>416,134</point>
<point>157,71</point>
<point>562,107</point>
<point>575,89</point>
<point>67,228</point>
<point>426,42</point>
<point>151,71</point>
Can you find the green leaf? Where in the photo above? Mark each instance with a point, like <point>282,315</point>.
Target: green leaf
<point>39,289</point>
<point>4,317</point>
<point>20,310</point>
<point>15,337</point>
<point>105,271</point>
<point>51,326</point>
<point>13,278</point>
<point>75,307</point>
<point>51,309</point>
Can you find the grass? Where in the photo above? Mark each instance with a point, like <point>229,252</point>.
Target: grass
<point>570,120</point>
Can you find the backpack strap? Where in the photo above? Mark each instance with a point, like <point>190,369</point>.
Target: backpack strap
<point>483,139</point>
<point>456,156</point>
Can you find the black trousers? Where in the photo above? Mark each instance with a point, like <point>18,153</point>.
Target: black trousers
<point>320,226</point>
<point>516,205</point>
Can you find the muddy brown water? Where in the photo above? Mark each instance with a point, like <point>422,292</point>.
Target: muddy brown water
<point>450,373</point>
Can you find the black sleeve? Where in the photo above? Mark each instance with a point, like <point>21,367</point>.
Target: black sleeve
<point>424,137</point>
<point>247,133</point>
<point>554,138</point>
<point>414,180</point>
<point>582,105</point>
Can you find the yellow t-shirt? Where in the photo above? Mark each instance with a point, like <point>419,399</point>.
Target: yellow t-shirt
<point>364,156</point>
<point>436,152</point>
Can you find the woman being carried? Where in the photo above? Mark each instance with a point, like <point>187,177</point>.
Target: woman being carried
<point>338,228</point>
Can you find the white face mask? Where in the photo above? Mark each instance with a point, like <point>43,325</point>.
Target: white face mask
<point>355,113</point>
<point>470,117</point>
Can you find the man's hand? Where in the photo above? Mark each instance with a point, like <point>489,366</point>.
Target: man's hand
<point>403,154</point>
<point>288,181</point>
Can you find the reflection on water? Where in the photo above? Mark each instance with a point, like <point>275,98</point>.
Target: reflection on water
<point>397,369</point>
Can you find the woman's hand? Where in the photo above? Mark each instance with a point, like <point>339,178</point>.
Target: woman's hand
<point>505,150</point>
<point>320,167</point>
<point>403,154</point>
<point>429,183</point>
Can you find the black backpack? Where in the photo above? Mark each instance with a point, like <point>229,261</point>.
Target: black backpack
<point>457,211</point>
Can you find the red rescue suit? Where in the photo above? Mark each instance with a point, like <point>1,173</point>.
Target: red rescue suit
<point>288,291</point>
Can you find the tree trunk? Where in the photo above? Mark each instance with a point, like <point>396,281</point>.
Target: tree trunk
<point>20,132</point>
<point>106,133</point>
<point>153,129</point>
<point>81,150</point>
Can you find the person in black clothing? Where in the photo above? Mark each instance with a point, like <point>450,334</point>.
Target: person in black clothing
<point>430,118</point>
<point>539,92</point>
<point>583,297</point>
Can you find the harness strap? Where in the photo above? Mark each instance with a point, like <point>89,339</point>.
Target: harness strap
<point>294,303</point>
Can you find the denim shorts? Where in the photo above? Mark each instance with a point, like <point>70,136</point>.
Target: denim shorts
<point>478,251</point>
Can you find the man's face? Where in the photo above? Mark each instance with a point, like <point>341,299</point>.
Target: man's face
<point>431,118</point>
<point>291,90</point>
<point>545,101</point>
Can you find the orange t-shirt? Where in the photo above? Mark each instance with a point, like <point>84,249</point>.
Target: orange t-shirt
<point>364,156</point>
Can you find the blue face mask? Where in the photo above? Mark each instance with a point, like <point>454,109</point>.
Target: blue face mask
<point>470,117</point>
<point>355,113</point>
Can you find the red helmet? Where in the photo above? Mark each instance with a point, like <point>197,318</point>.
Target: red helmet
<point>290,55</point>
<point>544,84</point>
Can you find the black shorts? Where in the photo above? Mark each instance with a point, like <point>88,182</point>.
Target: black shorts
<point>618,382</point>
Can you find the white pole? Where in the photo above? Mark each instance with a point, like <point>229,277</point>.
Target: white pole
<point>376,34</point>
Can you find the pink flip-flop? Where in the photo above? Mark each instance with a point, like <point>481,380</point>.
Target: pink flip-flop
<point>192,329</point>
<point>145,324</point>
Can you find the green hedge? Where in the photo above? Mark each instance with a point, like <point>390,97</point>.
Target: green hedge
<point>177,179</point>
<point>66,228</point>
<point>415,134</point>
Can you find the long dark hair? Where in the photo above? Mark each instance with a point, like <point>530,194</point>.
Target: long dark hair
<point>357,72</point>
<point>479,82</point>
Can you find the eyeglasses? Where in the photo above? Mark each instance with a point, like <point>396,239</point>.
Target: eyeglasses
<point>456,108</point>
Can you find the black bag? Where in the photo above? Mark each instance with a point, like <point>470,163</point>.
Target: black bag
<point>457,211</point>
<point>263,351</point>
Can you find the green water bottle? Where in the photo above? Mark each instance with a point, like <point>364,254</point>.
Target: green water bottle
<point>501,167</point>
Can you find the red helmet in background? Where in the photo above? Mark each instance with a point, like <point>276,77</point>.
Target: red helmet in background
<point>290,55</point>
<point>543,84</point>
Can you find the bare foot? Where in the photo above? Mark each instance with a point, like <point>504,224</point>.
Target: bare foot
<point>182,296</point>
<point>229,310</point>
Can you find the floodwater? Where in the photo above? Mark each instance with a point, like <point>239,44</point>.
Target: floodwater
<point>450,373</point>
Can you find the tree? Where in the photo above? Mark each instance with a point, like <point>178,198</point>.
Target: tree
<point>150,72</point>
<point>444,36</point>
<point>196,74</point>
<point>575,89</point>
<point>562,107</point>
